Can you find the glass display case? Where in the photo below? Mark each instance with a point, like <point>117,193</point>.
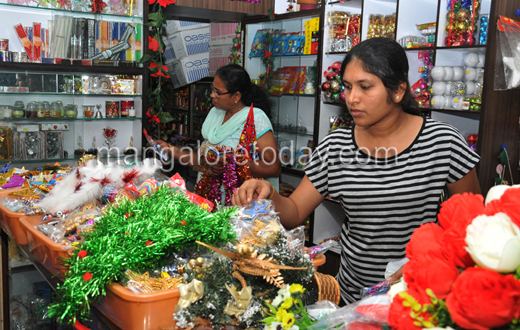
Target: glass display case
<point>290,48</point>
<point>62,91</point>
<point>53,116</point>
<point>200,105</point>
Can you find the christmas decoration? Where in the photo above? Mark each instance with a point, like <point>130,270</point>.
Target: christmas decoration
<point>154,55</point>
<point>236,56</point>
<point>117,243</point>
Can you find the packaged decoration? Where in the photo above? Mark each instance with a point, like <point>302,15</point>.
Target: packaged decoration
<point>462,23</point>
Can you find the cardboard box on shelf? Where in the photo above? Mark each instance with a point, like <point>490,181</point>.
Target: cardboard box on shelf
<point>218,57</point>
<point>222,33</point>
<point>173,26</point>
<point>189,69</point>
<point>190,42</point>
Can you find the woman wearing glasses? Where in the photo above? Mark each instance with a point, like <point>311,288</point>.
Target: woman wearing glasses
<point>229,128</point>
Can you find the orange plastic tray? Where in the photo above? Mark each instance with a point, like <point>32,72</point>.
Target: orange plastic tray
<point>10,221</point>
<point>45,250</point>
<point>319,260</point>
<point>144,311</point>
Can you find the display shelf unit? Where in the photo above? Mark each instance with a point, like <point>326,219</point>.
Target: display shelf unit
<point>496,122</point>
<point>87,128</point>
<point>293,115</point>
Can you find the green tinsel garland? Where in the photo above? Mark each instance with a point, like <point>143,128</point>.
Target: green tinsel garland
<point>135,235</point>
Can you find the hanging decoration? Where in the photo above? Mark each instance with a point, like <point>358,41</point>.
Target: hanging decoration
<point>97,6</point>
<point>236,55</point>
<point>158,72</point>
<point>235,169</point>
<point>291,5</point>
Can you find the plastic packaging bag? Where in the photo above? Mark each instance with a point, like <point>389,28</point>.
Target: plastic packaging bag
<point>508,54</point>
<point>370,312</point>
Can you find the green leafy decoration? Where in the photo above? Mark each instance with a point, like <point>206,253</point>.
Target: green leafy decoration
<point>135,235</point>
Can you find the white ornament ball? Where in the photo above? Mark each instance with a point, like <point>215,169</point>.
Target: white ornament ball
<point>481,60</point>
<point>447,102</point>
<point>456,102</point>
<point>471,59</point>
<point>449,73</point>
<point>470,88</point>
<point>438,88</point>
<point>458,73</point>
<point>438,101</point>
<point>438,73</point>
<point>471,74</point>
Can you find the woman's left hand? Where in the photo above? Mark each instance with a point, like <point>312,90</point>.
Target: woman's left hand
<point>396,276</point>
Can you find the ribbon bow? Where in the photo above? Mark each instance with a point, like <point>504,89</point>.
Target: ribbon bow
<point>190,293</point>
<point>240,301</point>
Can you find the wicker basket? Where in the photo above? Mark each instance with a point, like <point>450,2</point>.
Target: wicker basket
<point>328,288</point>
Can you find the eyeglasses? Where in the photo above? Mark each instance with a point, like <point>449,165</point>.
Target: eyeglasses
<point>217,92</point>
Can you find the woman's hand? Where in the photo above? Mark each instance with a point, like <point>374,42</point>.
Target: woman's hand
<point>396,276</point>
<point>168,148</point>
<point>252,189</point>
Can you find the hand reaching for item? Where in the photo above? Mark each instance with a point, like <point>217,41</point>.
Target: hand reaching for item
<point>251,190</point>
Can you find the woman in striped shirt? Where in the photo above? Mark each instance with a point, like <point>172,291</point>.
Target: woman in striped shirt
<point>387,170</point>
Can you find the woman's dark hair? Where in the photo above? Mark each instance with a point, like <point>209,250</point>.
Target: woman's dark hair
<point>386,59</point>
<point>236,79</point>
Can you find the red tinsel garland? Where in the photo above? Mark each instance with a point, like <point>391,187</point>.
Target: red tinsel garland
<point>232,177</point>
<point>97,6</point>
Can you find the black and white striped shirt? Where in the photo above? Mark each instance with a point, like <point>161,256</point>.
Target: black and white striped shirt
<point>385,200</point>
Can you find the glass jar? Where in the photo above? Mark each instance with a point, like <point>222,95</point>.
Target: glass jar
<point>7,111</point>
<point>19,103</point>
<point>31,112</point>
<point>55,111</point>
<point>71,111</point>
<point>88,111</point>
<point>18,112</point>
<point>47,107</point>
<point>40,110</point>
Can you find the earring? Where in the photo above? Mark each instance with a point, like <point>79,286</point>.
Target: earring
<point>397,98</point>
<point>236,102</point>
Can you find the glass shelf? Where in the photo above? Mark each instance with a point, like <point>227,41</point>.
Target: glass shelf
<point>67,119</point>
<point>72,12</point>
<point>78,94</point>
<point>294,132</point>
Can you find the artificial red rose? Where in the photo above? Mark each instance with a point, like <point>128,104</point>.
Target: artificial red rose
<point>430,270</point>
<point>160,72</point>
<point>399,315</point>
<point>454,243</point>
<point>481,299</point>
<point>82,254</point>
<point>87,277</point>
<point>153,44</point>
<point>425,238</point>
<point>148,243</point>
<point>458,207</point>
<point>509,203</point>
<point>163,3</point>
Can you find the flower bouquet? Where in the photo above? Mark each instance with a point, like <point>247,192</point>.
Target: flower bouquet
<point>464,273</point>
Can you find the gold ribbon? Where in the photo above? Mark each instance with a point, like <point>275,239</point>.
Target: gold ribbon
<point>190,293</point>
<point>240,301</point>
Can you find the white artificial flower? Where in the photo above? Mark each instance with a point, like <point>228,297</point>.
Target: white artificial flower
<point>494,242</point>
<point>283,294</point>
<point>497,191</point>
<point>396,288</point>
<point>273,326</point>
